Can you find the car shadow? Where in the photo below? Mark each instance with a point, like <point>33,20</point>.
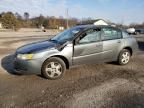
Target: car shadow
<point>7,64</point>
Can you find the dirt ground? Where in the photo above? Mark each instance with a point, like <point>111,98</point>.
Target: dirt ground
<point>104,85</point>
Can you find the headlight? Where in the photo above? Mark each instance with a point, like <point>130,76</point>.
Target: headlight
<point>25,56</point>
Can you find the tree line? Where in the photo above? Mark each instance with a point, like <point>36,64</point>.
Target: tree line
<point>16,21</point>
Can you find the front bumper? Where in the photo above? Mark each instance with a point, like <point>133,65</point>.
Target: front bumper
<point>27,66</point>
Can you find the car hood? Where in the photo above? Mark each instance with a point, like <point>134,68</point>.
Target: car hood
<point>35,47</point>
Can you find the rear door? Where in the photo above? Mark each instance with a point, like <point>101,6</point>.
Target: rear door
<point>112,43</point>
<point>88,47</point>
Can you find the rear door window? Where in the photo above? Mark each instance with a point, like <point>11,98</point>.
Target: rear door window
<point>111,34</point>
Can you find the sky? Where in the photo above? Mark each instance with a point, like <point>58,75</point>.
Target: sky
<point>117,11</point>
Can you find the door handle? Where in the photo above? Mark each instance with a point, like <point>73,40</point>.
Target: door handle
<point>118,41</point>
<point>98,45</point>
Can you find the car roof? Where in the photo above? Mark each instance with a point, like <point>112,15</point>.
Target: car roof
<point>94,26</point>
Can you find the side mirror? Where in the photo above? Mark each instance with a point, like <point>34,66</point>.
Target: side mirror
<point>68,44</point>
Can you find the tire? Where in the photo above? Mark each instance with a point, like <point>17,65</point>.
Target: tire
<point>53,68</point>
<point>124,57</point>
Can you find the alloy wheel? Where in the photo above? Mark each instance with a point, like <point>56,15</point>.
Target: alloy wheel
<point>125,57</point>
<point>53,69</point>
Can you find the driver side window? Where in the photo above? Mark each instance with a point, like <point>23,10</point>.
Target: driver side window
<point>92,35</point>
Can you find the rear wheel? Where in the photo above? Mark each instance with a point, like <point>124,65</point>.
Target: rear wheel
<point>53,68</point>
<point>124,57</point>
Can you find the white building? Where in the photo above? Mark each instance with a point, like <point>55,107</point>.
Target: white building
<point>0,25</point>
<point>61,28</point>
<point>100,22</point>
<point>103,22</point>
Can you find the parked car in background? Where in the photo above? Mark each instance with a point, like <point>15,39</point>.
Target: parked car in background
<point>85,44</point>
<point>139,31</point>
<point>131,31</point>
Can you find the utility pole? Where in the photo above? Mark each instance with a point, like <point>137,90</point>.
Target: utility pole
<point>67,19</point>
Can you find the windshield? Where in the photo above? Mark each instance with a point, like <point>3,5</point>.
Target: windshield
<point>66,35</point>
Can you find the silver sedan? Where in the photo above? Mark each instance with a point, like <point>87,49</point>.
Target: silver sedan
<point>85,44</point>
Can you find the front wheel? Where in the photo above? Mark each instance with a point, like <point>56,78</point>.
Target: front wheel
<point>53,68</point>
<point>124,57</point>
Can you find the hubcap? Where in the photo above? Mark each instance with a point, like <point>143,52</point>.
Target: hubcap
<point>125,57</point>
<point>53,69</point>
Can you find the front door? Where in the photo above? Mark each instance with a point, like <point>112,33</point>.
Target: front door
<point>88,47</point>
